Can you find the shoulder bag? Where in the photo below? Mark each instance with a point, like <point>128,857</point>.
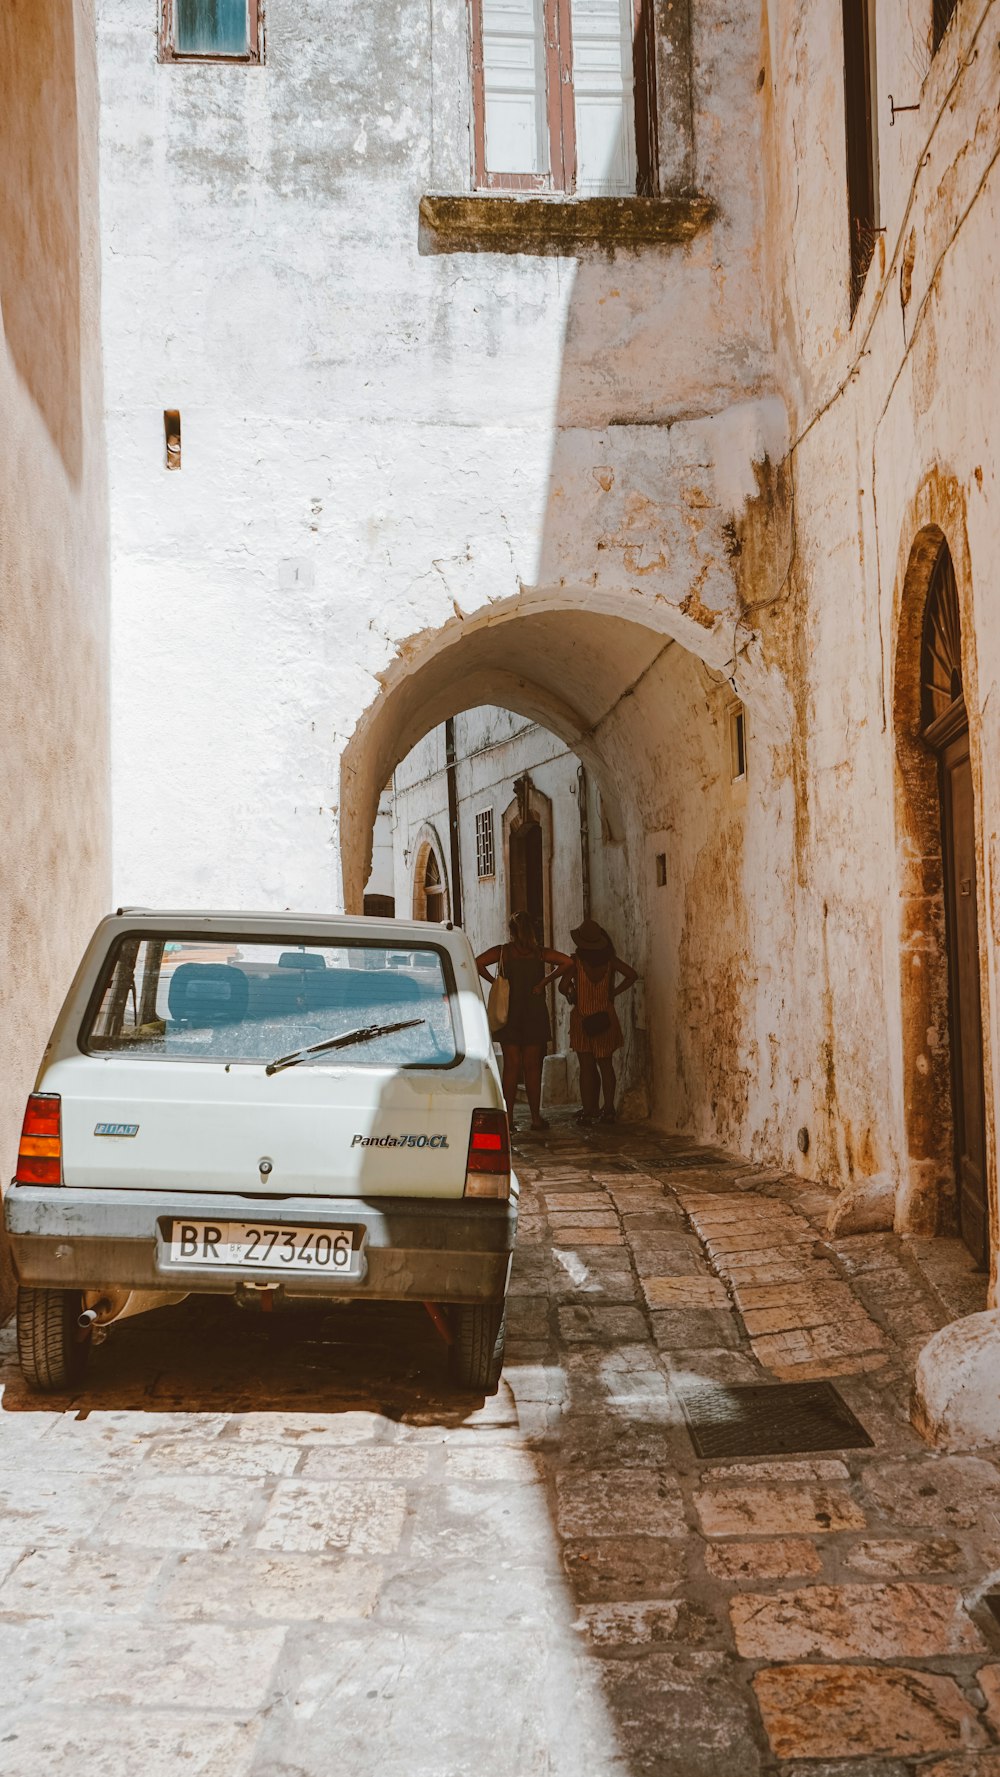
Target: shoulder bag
<point>498,1003</point>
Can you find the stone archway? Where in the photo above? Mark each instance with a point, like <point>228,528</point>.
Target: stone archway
<point>679,876</point>
<point>927,1196</point>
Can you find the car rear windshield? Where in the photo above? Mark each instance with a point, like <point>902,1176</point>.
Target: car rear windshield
<point>255,999</point>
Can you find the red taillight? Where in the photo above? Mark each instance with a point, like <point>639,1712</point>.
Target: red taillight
<point>39,1157</point>
<point>487,1172</point>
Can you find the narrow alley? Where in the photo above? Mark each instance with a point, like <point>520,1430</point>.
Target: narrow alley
<point>281,1546</point>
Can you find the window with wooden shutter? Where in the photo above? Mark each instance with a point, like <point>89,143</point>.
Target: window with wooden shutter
<point>602,94</point>
<point>211,30</point>
<point>564,96</point>
<point>862,144</point>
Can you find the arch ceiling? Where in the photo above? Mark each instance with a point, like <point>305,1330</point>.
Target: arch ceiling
<point>565,669</point>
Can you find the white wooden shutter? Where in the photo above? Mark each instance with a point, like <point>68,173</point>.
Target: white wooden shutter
<point>514,79</point>
<point>605,104</point>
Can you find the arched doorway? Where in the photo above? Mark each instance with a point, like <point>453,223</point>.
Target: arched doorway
<point>945,730</point>
<point>432,890</point>
<point>430,886</point>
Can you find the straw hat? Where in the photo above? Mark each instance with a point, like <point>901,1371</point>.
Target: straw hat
<point>590,936</point>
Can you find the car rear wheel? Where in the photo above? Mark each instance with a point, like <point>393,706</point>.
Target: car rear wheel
<point>52,1346</point>
<point>478,1334</point>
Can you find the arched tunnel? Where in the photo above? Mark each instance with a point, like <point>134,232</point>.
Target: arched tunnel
<point>695,870</point>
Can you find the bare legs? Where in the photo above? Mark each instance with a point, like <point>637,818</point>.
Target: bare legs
<point>589,1086</point>
<point>606,1066</point>
<point>511,1076</point>
<point>596,1074</point>
<point>532,1060</point>
<point>529,1061</point>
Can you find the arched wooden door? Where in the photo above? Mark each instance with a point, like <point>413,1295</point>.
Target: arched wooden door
<point>433,890</point>
<point>945,726</point>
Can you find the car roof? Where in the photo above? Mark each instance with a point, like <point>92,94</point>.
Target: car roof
<point>241,920</point>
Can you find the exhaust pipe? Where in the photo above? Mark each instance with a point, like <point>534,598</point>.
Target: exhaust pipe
<point>115,1304</point>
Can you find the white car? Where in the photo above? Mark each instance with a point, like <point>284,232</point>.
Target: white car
<point>266,1107</point>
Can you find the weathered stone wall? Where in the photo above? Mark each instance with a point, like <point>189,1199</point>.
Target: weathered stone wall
<point>54,788</point>
<point>893,419</point>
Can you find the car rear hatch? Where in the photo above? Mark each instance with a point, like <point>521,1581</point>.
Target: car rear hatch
<point>171,1087</point>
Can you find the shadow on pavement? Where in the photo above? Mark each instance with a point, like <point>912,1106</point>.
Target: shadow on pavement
<point>206,1355</point>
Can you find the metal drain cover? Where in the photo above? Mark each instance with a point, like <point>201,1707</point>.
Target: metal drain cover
<point>773,1419</point>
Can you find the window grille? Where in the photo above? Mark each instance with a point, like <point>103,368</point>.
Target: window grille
<point>485,856</point>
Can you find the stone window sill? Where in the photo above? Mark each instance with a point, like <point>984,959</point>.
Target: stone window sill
<point>503,222</point>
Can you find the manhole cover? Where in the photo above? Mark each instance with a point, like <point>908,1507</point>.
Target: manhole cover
<point>776,1419</point>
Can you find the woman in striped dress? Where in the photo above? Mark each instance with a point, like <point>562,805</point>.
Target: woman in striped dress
<point>592,983</point>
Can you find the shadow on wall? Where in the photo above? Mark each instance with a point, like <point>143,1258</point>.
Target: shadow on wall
<point>40,213</point>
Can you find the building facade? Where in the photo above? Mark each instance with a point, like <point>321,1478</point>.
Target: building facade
<point>640,392</point>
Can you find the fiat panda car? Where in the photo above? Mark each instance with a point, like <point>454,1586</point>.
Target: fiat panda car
<point>266,1107</point>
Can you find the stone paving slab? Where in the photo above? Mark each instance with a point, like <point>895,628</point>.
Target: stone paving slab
<point>113,1743</point>
<point>776,1558</point>
<point>855,1622</point>
<point>287,1548</point>
<point>850,1711</point>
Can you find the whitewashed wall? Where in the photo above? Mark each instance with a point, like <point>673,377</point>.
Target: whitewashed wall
<point>370,436</point>
<point>382,878</point>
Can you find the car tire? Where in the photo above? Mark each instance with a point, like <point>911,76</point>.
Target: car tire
<point>52,1348</point>
<point>478,1334</point>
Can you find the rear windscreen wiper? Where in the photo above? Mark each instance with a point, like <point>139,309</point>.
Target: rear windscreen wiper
<point>364,1035</point>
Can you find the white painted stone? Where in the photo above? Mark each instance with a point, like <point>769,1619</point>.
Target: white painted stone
<point>956,1389</point>
<point>555,1080</point>
<point>866,1206</point>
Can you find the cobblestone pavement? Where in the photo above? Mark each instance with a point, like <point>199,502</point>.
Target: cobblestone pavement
<point>282,1546</point>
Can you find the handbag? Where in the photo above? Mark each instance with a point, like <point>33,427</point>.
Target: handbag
<point>498,1003</point>
<point>596,1023</point>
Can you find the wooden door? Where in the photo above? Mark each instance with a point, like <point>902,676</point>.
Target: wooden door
<point>958,813</point>
<point>527,874</point>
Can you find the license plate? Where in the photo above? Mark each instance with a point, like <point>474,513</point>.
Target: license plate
<point>260,1246</point>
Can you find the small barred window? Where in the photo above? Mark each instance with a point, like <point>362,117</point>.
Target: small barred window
<point>485,860</point>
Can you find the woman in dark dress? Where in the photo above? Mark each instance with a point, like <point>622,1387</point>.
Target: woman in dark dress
<point>529,968</point>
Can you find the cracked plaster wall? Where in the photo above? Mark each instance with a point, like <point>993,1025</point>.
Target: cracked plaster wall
<point>895,418</point>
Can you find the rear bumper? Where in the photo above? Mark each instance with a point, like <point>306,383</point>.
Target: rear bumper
<point>421,1249</point>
